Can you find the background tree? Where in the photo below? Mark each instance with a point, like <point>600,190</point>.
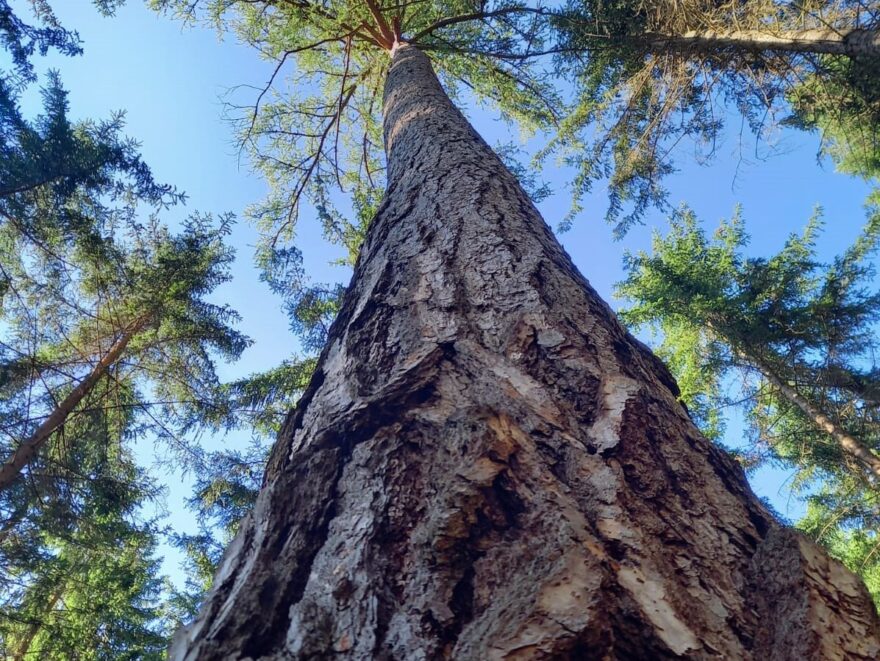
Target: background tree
<point>74,505</point>
<point>85,284</point>
<point>649,74</point>
<point>80,263</point>
<point>106,338</point>
<point>799,337</point>
<point>87,587</point>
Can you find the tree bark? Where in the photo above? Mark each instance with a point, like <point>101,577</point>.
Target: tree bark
<point>853,43</point>
<point>486,465</point>
<point>25,645</point>
<point>24,453</point>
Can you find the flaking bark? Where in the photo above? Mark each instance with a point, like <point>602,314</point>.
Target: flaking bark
<point>486,465</point>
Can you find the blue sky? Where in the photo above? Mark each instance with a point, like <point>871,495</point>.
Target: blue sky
<point>171,81</point>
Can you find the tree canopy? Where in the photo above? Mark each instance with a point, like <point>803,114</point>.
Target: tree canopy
<point>109,334</point>
<point>649,75</point>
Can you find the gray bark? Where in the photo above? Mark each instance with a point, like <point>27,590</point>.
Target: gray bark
<point>486,465</point>
<point>853,43</point>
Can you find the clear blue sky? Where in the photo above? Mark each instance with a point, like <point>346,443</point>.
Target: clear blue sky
<point>170,80</point>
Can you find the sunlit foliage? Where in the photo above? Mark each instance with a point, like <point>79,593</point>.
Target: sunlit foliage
<point>791,341</point>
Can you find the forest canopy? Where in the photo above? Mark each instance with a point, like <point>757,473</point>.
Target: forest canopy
<point>121,343</point>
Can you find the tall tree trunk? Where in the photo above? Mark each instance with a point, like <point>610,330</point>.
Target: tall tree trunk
<point>487,466</point>
<point>854,43</point>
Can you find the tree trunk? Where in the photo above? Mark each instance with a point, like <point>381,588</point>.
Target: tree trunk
<point>25,453</point>
<point>486,465</point>
<point>23,648</point>
<point>849,445</point>
<point>854,43</point>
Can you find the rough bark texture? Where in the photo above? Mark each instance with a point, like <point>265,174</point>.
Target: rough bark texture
<point>487,466</point>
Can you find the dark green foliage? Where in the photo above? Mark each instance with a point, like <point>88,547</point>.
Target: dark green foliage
<point>83,480</point>
<point>225,491</point>
<point>642,85</point>
<point>262,400</point>
<point>725,319</point>
<point>313,312</point>
<point>87,590</point>
<point>84,262</point>
<point>842,101</point>
<point>22,40</point>
<point>58,158</point>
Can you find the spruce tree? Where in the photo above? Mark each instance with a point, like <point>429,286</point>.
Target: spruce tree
<point>799,338</point>
<point>106,337</point>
